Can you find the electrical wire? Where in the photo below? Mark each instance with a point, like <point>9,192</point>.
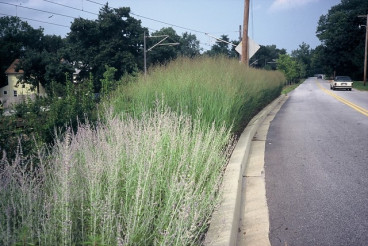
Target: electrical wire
<point>185,28</point>
<point>134,14</point>
<point>95,2</point>
<point>40,10</point>
<point>25,18</point>
<point>159,21</point>
<point>70,7</point>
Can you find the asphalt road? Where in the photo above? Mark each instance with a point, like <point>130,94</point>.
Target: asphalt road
<point>316,168</point>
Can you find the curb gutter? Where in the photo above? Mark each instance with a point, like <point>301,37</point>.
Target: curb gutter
<point>224,225</point>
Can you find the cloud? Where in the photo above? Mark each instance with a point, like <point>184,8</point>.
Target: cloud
<point>289,4</point>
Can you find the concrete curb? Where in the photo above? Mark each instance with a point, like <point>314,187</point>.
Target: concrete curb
<point>224,225</point>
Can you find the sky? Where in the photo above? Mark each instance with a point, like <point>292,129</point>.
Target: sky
<point>284,23</point>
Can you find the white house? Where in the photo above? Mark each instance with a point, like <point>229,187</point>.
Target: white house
<point>15,92</point>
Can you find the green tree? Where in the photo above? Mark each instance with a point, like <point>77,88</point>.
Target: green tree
<point>266,56</point>
<point>341,38</point>
<point>233,53</point>
<point>303,56</point>
<point>189,45</point>
<point>16,37</point>
<point>114,39</point>
<point>289,67</point>
<point>319,61</point>
<point>44,67</point>
<point>220,47</point>
<point>163,54</point>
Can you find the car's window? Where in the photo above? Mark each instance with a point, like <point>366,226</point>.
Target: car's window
<point>342,78</point>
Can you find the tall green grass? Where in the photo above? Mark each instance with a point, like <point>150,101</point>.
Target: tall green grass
<point>222,89</point>
<point>148,173</point>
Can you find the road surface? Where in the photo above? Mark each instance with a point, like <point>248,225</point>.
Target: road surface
<point>316,168</point>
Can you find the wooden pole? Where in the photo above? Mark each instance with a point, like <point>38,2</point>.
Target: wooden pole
<point>365,53</point>
<point>245,55</point>
<point>145,54</point>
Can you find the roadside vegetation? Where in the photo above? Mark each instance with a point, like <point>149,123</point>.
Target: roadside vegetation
<point>359,85</point>
<point>148,171</point>
<point>216,90</point>
<point>288,88</point>
<point>118,158</point>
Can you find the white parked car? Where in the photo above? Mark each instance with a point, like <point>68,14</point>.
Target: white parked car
<point>341,82</point>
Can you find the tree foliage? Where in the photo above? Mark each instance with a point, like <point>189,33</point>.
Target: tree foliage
<point>16,37</point>
<point>220,47</point>
<point>342,40</point>
<point>43,66</point>
<point>303,56</point>
<point>189,45</point>
<point>290,67</point>
<point>224,47</point>
<point>166,53</point>
<point>266,56</point>
<point>186,45</point>
<point>114,39</point>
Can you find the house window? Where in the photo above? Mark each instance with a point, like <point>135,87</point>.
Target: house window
<point>5,93</point>
<point>15,93</point>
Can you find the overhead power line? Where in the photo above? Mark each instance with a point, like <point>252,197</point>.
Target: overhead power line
<point>159,21</point>
<point>95,2</point>
<point>74,8</point>
<point>141,16</point>
<point>25,18</point>
<point>39,10</point>
<point>166,23</point>
<point>70,7</point>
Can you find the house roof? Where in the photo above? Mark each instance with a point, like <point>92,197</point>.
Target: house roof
<point>12,68</point>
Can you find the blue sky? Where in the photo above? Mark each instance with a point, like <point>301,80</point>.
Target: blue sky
<point>285,23</point>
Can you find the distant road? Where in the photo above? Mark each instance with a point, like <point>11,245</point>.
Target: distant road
<point>316,168</point>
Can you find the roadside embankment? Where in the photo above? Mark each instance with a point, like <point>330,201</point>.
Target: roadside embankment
<point>148,173</point>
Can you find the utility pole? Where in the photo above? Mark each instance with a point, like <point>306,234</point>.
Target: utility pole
<point>245,55</point>
<point>240,39</point>
<point>145,54</point>
<point>365,52</point>
<point>366,48</point>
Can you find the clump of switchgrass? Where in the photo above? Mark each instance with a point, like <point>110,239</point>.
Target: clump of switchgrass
<point>21,200</point>
<point>225,90</point>
<point>127,181</point>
